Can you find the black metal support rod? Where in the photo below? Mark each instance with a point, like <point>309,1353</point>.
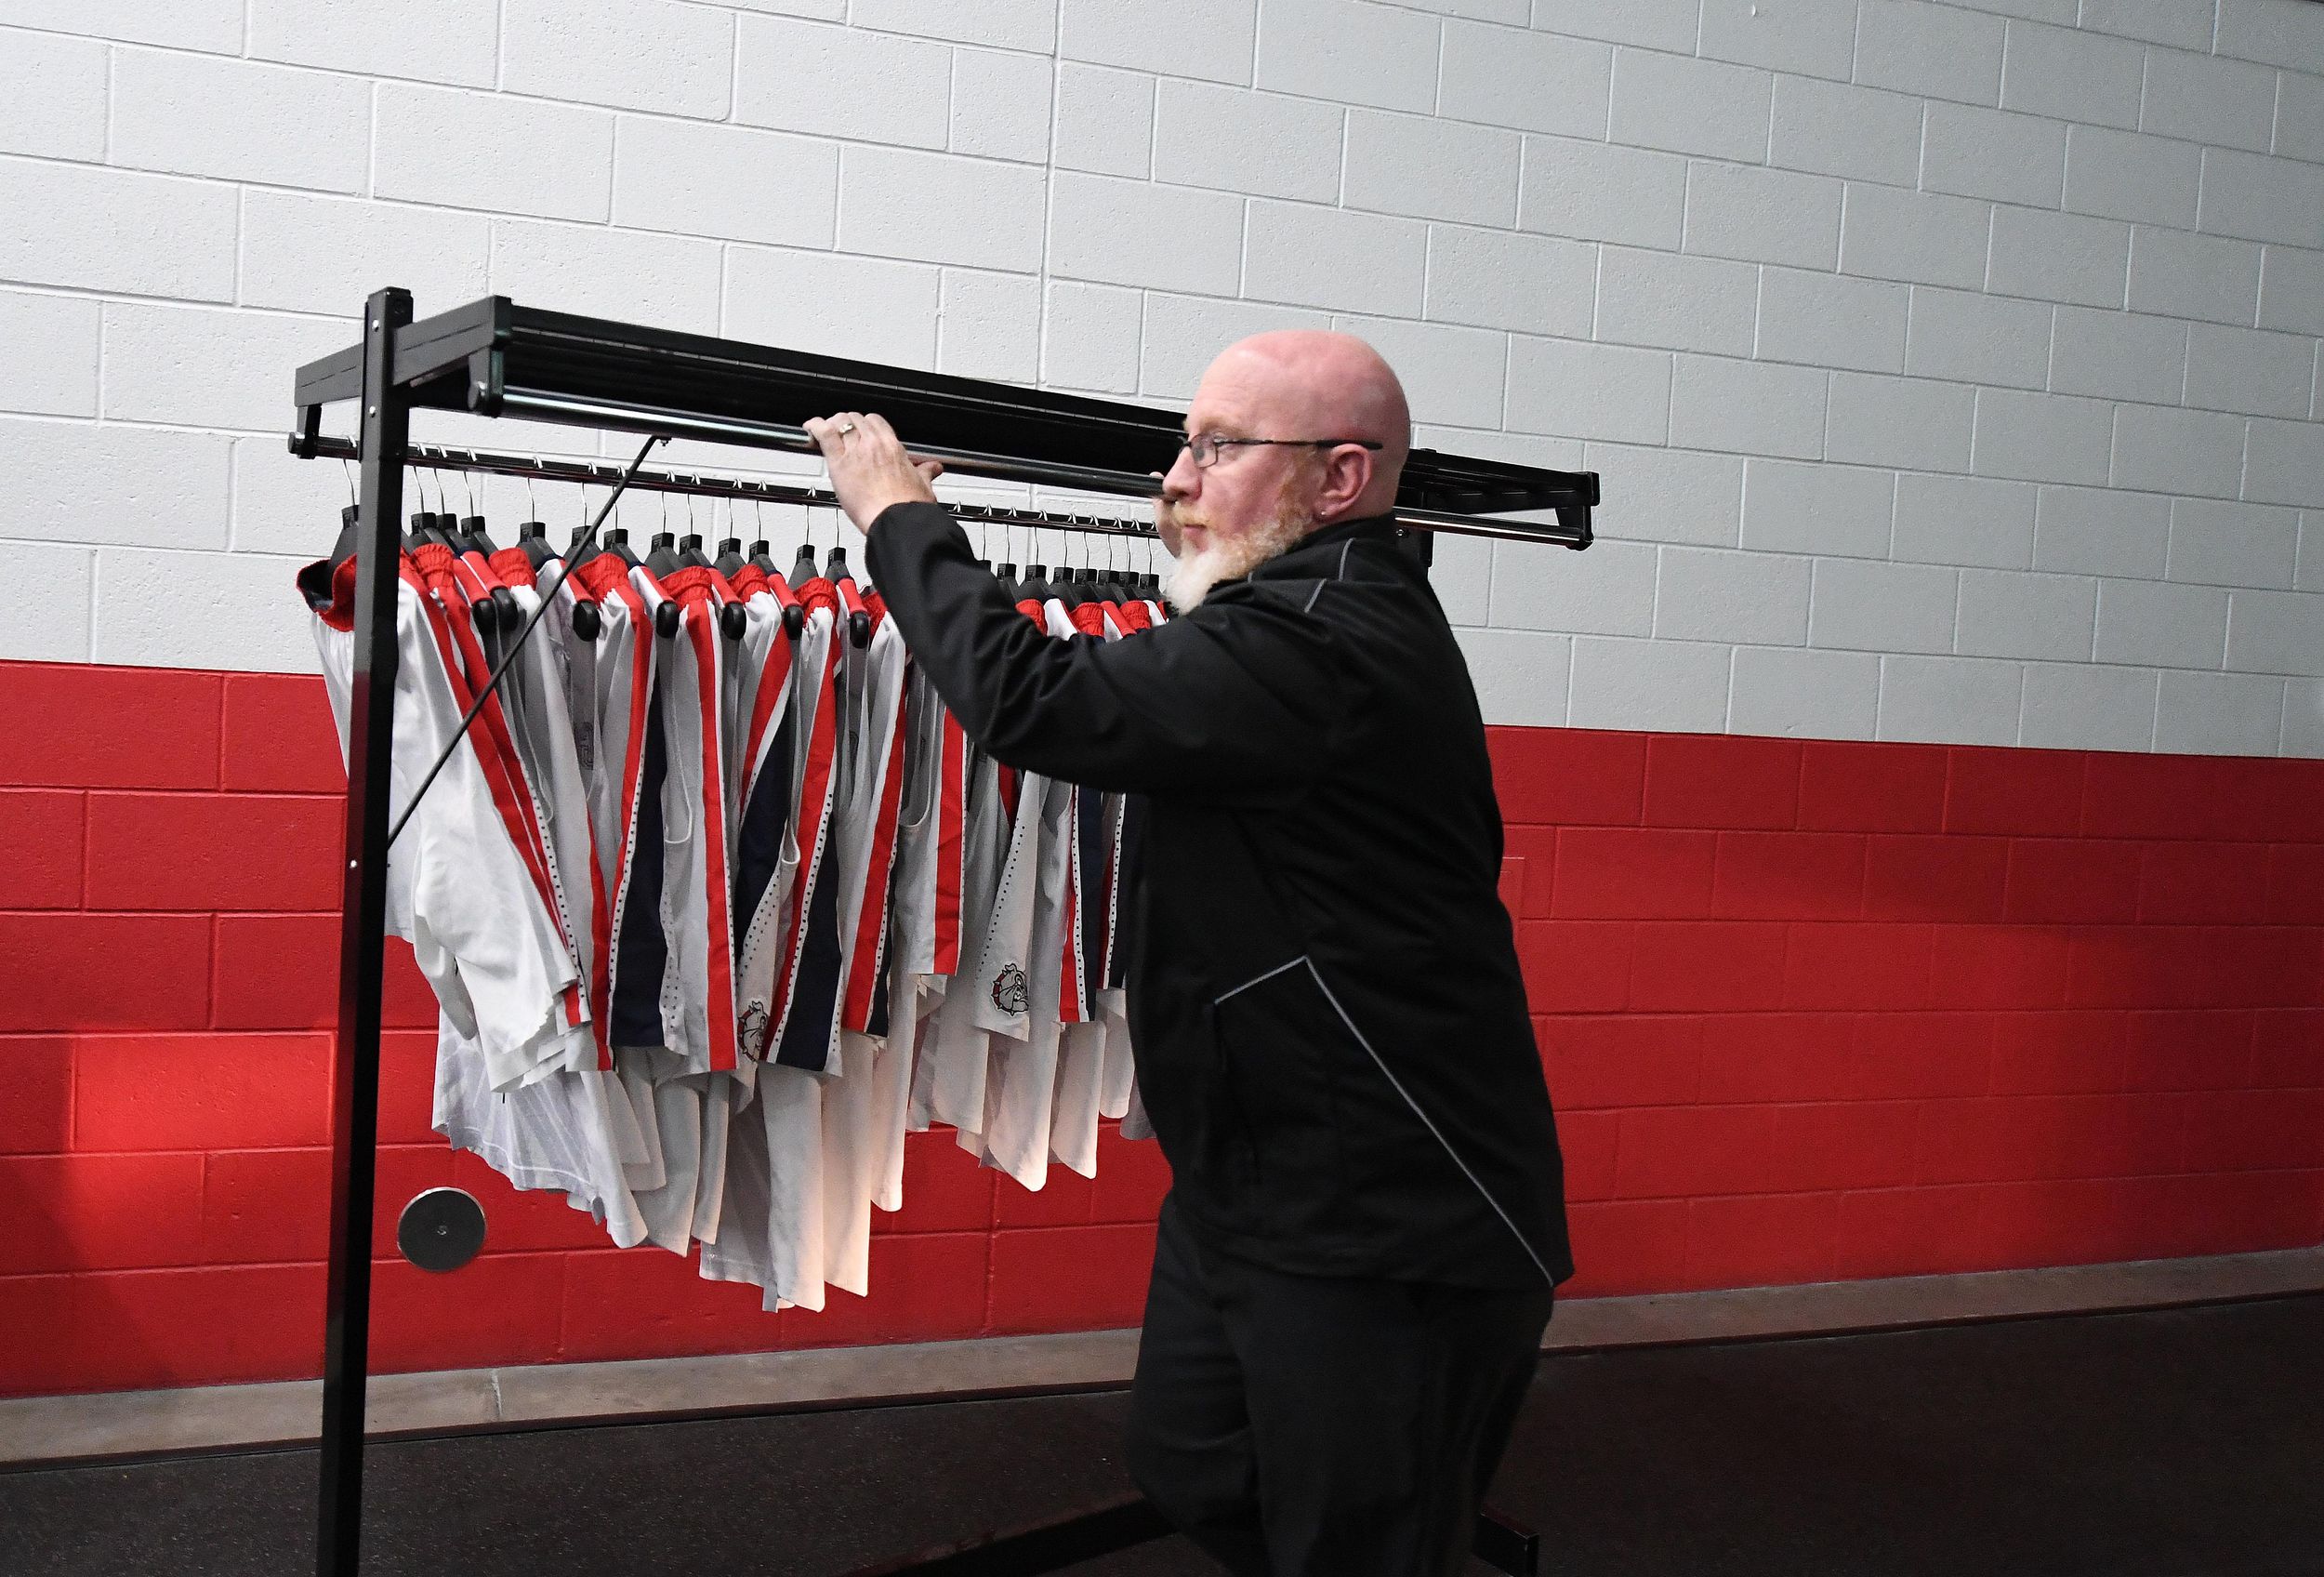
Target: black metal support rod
<point>363,935</point>
<point>547,595</point>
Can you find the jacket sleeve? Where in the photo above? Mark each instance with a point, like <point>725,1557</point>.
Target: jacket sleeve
<point>1235,702</point>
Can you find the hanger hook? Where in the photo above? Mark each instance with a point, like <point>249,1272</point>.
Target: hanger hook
<point>353,496</point>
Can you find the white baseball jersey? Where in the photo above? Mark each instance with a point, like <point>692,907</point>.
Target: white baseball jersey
<point>477,911</point>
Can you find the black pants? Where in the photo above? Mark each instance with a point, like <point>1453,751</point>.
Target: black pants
<point>1298,1425</point>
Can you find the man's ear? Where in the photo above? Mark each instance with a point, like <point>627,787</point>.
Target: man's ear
<point>1347,472</point>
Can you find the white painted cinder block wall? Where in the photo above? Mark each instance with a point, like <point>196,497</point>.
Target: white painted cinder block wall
<point>1952,368</point>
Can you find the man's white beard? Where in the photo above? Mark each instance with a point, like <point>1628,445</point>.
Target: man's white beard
<point>1190,581</point>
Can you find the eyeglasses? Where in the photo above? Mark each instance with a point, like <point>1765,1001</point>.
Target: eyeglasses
<point>1206,447</point>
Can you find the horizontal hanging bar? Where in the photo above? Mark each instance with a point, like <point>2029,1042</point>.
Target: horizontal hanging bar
<point>604,473</point>
<point>435,457</point>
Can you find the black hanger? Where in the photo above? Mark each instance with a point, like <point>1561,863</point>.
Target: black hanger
<point>803,567</point>
<point>532,537</point>
<point>587,621</point>
<point>794,615</point>
<point>1005,572</point>
<point>428,527</point>
<point>473,528</point>
<point>1036,583</point>
<point>344,548</point>
<point>662,559</point>
<point>859,621</point>
<point>469,537</point>
<point>734,622</point>
<point>617,542</point>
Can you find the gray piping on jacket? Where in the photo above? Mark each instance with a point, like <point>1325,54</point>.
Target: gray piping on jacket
<point>1259,979</point>
<point>1339,574</point>
<point>1435,1132</point>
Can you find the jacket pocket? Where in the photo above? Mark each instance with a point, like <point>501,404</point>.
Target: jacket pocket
<point>1277,1141</point>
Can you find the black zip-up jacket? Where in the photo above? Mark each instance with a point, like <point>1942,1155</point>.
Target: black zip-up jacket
<point>1331,1031</point>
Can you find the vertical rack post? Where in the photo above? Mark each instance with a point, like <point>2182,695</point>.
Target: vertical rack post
<point>385,424</point>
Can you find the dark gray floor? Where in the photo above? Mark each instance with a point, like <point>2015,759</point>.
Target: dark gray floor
<point>2187,1441</point>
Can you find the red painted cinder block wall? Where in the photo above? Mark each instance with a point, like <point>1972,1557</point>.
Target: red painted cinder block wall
<point>1809,1010</point>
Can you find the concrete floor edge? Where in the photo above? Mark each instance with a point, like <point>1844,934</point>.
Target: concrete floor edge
<point>143,1422</point>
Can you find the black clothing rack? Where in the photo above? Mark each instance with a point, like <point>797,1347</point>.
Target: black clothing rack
<point>493,357</point>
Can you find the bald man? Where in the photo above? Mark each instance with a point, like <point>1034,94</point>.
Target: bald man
<point>1367,1222</point>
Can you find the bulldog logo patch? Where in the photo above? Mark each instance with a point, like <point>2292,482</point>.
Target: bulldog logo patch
<point>1011,994</point>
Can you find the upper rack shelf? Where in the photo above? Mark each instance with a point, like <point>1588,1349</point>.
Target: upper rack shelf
<point>496,358</point>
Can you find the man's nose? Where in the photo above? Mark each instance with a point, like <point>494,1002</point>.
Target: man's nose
<point>1184,479</point>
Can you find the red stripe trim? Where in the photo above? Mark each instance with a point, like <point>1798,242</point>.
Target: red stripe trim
<point>780,588</point>
<point>503,796</point>
<point>871,919</point>
<point>468,676</point>
<point>774,682</point>
<point>701,608</point>
<point>816,799</point>
<point>952,809</point>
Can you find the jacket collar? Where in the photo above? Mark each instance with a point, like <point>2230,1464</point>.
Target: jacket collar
<point>1368,528</point>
